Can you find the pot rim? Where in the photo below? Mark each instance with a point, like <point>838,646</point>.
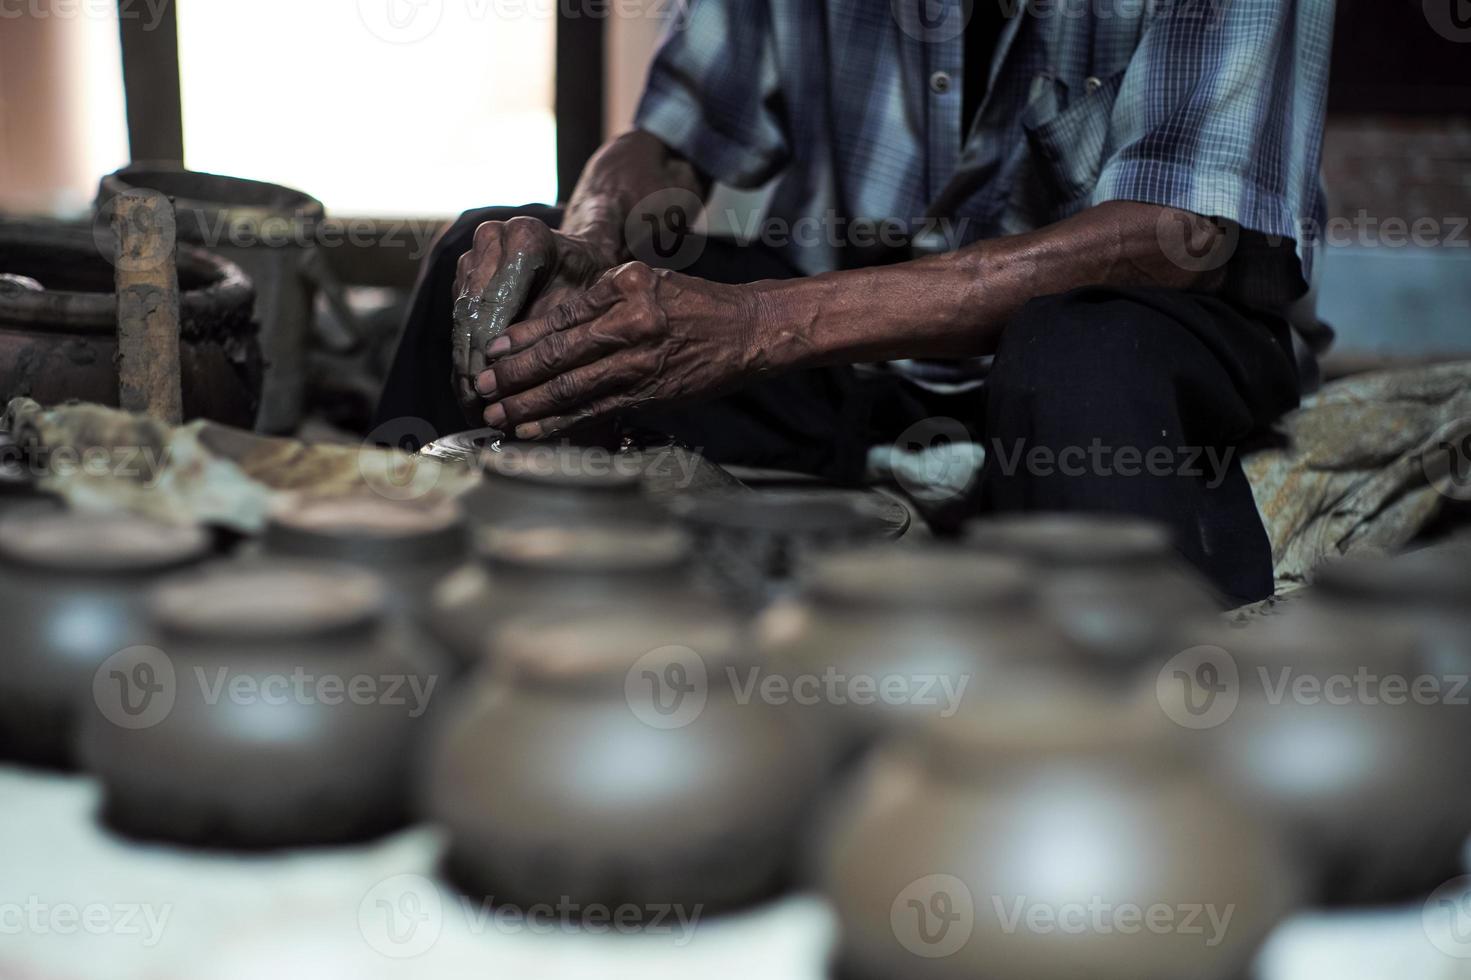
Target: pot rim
<point>76,312</point>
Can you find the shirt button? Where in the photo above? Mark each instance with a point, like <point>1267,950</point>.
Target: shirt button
<point>940,82</point>
<point>1093,83</point>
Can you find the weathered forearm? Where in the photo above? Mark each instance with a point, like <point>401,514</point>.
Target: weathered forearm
<point>618,181</point>
<point>956,304</point>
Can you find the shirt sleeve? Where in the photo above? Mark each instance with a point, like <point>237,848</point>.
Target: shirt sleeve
<point>1221,113</point>
<point>712,93</point>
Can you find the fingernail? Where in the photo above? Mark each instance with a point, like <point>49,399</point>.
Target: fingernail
<point>485,384</point>
<point>498,346</point>
<point>495,416</point>
<point>531,430</point>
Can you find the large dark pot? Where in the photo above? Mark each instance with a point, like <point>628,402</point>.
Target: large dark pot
<point>607,761</point>
<point>60,342</point>
<point>1343,731</point>
<point>883,637</point>
<point>72,590</point>
<point>548,568</point>
<point>1048,839</point>
<point>1115,585</point>
<point>267,230</point>
<point>275,711</point>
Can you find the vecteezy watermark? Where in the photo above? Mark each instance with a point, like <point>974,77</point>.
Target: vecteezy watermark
<point>389,460</point>
<point>35,916</point>
<point>410,692</point>
<point>940,692</point>
<point>668,688</point>
<point>1446,462</point>
<point>151,12</point>
<point>936,916</point>
<point>1451,19</point>
<point>1202,687</point>
<point>143,466</point>
<point>933,916</point>
<point>137,688</point>
<point>1212,464</point>
<point>1194,243</point>
<point>1100,917</point>
<point>1446,918</point>
<point>404,916</point>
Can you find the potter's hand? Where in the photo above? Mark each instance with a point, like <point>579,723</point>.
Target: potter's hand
<point>637,336</point>
<point>518,268</point>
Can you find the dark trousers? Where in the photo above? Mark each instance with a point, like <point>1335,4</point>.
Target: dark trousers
<point>1103,399</point>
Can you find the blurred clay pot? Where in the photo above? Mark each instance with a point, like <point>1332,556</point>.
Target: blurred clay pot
<point>275,711</point>
<point>1061,837</point>
<point>609,760</point>
<point>882,637</point>
<point>1115,585</point>
<point>410,546</point>
<point>752,545</point>
<point>522,570</point>
<point>527,484</point>
<point>1338,729</point>
<point>1426,592</point>
<point>72,590</point>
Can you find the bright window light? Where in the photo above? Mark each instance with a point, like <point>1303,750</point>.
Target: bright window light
<point>377,107</point>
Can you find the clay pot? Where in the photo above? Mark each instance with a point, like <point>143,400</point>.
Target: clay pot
<point>72,592</point>
<point>529,484</point>
<point>276,710</point>
<point>883,637</point>
<point>1426,592</point>
<point>60,342</point>
<point>547,568</point>
<point>1338,728</point>
<point>607,760</point>
<point>1035,841</point>
<point>412,547</point>
<point>752,545</point>
<point>1114,585</point>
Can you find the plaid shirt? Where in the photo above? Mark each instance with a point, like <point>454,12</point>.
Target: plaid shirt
<point>1211,106</point>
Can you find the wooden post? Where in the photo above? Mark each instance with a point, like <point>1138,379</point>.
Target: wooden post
<point>148,306</point>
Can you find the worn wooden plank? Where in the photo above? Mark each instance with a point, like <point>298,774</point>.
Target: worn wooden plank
<point>148,306</point>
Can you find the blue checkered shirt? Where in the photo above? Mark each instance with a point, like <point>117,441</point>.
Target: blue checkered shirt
<point>854,107</point>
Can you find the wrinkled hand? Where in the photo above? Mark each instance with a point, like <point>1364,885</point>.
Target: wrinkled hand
<point>518,268</point>
<point>637,336</point>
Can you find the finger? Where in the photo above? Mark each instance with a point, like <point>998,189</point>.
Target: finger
<point>596,301</point>
<point>509,262</point>
<point>560,352</point>
<point>546,428</point>
<point>570,393</point>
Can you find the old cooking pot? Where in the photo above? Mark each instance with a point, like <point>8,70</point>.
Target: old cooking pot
<point>527,484</point>
<point>882,637</point>
<point>1114,584</point>
<point>71,596</point>
<point>1427,592</point>
<point>59,342</point>
<point>607,760</point>
<point>521,570</point>
<point>1058,837</point>
<point>276,710</point>
<point>752,545</point>
<point>1341,730</point>
<point>271,232</point>
<point>411,546</point>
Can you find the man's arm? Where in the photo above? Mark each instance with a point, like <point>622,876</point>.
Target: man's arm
<point>522,268</point>
<point>955,305</point>
<point>641,335</point>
